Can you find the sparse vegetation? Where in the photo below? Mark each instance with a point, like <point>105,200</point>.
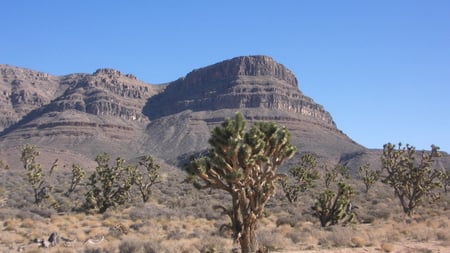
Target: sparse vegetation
<point>184,222</point>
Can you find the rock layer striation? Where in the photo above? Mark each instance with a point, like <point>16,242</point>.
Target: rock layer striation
<point>108,111</point>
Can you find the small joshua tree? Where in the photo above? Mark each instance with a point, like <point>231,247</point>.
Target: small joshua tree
<point>78,174</point>
<point>338,172</point>
<point>368,176</point>
<point>332,207</point>
<point>35,175</point>
<point>303,175</point>
<point>108,186</point>
<point>243,164</point>
<point>3,166</point>
<point>413,181</point>
<point>145,178</point>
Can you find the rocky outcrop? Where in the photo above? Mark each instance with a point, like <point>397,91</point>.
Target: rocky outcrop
<point>22,91</point>
<point>106,92</point>
<point>242,82</point>
<point>256,66</point>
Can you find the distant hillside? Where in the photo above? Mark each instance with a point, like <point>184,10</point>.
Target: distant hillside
<point>82,115</point>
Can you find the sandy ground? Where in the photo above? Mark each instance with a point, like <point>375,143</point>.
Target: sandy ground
<point>400,247</point>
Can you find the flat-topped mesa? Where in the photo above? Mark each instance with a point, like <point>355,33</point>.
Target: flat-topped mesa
<point>262,66</point>
<point>248,82</point>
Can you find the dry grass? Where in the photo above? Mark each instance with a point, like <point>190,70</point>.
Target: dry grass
<point>193,234</point>
<point>180,219</point>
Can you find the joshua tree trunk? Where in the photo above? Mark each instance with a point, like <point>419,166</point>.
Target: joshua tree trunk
<point>248,240</point>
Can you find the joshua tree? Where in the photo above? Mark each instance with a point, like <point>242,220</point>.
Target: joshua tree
<point>146,178</point>
<point>412,181</point>
<point>304,176</point>
<point>445,179</point>
<point>109,186</point>
<point>3,165</point>
<point>78,174</point>
<point>243,164</point>
<point>41,189</point>
<point>332,207</point>
<point>339,171</point>
<point>368,176</point>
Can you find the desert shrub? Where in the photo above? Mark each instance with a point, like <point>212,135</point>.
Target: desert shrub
<point>93,250</point>
<point>387,247</point>
<point>131,246</point>
<point>43,212</point>
<point>151,211</point>
<point>337,236</point>
<point>214,244</point>
<point>289,220</point>
<point>358,241</point>
<point>442,235</point>
<point>150,247</point>
<point>272,240</point>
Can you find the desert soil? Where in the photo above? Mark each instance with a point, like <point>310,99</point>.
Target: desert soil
<point>399,247</point>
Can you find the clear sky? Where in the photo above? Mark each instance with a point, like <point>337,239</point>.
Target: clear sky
<point>381,68</point>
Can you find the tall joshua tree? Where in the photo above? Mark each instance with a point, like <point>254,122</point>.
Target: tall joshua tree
<point>35,174</point>
<point>243,164</point>
<point>413,181</point>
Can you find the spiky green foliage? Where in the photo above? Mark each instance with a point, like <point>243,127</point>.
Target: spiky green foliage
<point>303,176</point>
<point>109,186</point>
<point>330,176</point>
<point>243,164</point>
<point>35,175</point>
<point>77,176</point>
<point>3,166</point>
<point>145,176</point>
<point>413,181</point>
<point>368,176</point>
<point>445,179</point>
<point>337,173</point>
<point>332,207</point>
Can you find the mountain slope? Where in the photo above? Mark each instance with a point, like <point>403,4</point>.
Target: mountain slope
<point>107,111</point>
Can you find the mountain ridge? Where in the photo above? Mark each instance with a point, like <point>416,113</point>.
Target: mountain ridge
<point>107,111</point>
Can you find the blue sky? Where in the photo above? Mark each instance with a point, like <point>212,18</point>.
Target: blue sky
<point>381,68</point>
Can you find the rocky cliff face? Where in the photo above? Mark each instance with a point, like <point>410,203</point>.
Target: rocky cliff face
<point>22,91</point>
<point>242,82</point>
<point>86,113</point>
<point>106,92</point>
<point>108,111</point>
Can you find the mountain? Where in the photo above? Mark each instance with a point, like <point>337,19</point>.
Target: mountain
<point>78,116</point>
<point>260,88</point>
